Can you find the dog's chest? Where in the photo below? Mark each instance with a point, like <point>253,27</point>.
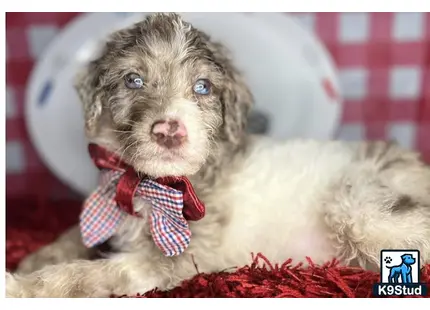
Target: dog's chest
<point>273,201</point>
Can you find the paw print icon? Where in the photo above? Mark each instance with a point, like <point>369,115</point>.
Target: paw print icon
<point>388,260</point>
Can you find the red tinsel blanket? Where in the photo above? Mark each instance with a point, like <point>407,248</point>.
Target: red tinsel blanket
<point>30,225</point>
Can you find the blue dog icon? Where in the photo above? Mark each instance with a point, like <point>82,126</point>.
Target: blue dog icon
<point>404,270</point>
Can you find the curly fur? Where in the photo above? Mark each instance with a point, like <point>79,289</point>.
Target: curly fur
<point>286,199</point>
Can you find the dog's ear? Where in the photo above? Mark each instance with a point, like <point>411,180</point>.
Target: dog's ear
<point>236,98</point>
<point>88,86</point>
<point>90,80</point>
<point>237,101</point>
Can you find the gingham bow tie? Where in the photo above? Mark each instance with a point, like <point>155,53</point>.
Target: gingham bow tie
<point>172,199</point>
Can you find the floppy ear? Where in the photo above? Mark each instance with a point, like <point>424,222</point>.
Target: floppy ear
<point>90,80</point>
<point>237,101</point>
<point>87,85</point>
<point>236,98</point>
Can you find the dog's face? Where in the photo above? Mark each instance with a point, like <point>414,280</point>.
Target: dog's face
<point>163,95</point>
<point>408,259</point>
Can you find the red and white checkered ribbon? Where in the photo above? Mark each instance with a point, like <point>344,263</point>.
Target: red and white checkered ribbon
<point>101,215</point>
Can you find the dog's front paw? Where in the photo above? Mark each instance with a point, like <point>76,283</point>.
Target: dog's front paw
<point>49,255</point>
<point>33,262</point>
<point>56,281</point>
<point>16,288</point>
<point>29,286</point>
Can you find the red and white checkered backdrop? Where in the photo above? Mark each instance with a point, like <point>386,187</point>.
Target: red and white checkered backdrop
<point>383,61</point>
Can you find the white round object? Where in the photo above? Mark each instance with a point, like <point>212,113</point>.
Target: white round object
<point>285,66</point>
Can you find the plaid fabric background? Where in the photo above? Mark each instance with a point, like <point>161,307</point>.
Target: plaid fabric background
<point>383,61</point>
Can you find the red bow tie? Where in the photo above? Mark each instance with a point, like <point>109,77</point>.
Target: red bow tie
<point>193,210</point>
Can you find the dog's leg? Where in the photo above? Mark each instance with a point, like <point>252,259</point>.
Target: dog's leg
<point>98,278</point>
<point>121,274</point>
<point>409,276</point>
<point>394,276</point>
<point>66,248</point>
<point>382,202</point>
<point>404,277</point>
<point>390,277</point>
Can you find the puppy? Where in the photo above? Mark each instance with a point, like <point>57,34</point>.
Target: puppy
<point>168,101</point>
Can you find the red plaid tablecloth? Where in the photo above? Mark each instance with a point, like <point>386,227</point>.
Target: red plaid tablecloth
<point>383,61</point>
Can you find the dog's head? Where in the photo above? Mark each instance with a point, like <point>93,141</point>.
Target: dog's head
<point>408,259</point>
<point>163,96</point>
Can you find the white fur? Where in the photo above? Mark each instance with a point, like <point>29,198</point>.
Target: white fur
<point>275,200</point>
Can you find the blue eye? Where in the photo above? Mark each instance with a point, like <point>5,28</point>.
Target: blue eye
<point>202,87</point>
<point>133,80</point>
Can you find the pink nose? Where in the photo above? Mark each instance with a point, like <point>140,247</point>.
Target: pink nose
<point>169,133</point>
